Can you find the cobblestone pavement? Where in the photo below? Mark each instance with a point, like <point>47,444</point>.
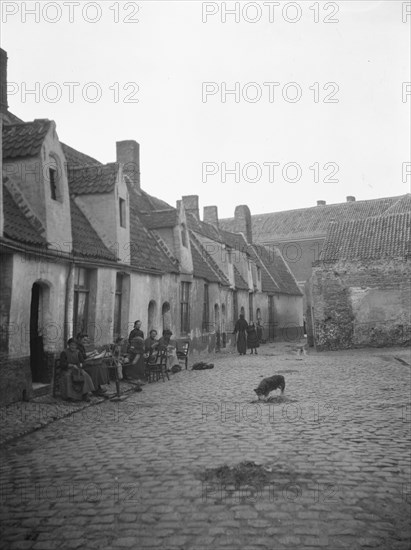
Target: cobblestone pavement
<point>128,474</point>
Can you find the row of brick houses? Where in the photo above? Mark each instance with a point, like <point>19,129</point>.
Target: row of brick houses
<point>85,248</point>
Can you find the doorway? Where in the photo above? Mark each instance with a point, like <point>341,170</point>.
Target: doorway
<point>38,360</point>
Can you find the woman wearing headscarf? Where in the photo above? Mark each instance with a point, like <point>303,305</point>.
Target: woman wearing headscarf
<point>240,330</point>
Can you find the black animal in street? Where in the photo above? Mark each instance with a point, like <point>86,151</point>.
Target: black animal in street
<point>270,384</point>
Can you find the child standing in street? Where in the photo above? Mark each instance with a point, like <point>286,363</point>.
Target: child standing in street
<point>252,339</point>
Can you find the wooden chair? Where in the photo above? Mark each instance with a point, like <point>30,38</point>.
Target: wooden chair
<point>182,354</point>
<point>156,366</point>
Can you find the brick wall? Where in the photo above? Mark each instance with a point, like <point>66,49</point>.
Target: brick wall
<point>361,303</point>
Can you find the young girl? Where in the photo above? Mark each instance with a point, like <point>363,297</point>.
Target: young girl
<point>252,339</point>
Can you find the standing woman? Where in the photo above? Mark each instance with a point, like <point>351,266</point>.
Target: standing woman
<point>76,384</point>
<point>136,332</point>
<point>241,328</point>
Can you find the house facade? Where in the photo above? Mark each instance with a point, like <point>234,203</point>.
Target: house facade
<point>85,249</point>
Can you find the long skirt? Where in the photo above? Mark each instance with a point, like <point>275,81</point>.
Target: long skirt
<point>136,368</point>
<point>75,390</point>
<point>241,342</point>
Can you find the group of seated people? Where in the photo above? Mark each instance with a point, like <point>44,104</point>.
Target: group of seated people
<point>80,380</point>
<point>140,349</point>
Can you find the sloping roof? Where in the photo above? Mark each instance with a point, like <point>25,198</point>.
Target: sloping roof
<point>305,222</point>
<point>145,252</point>
<point>401,206</point>
<point>92,179</point>
<point>203,264</point>
<point>75,158</point>
<point>86,241</point>
<point>24,139</point>
<point>373,238</point>
<point>157,219</point>
<point>278,269</point>
<point>205,229</point>
<point>268,282</point>
<point>147,203</point>
<point>235,241</point>
<point>239,282</point>
<point>16,225</point>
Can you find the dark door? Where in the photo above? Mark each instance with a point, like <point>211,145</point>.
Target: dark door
<point>37,358</point>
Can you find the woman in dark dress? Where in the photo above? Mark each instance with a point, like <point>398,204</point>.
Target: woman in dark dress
<point>240,330</point>
<point>135,368</point>
<point>136,331</point>
<point>252,338</point>
<point>76,384</point>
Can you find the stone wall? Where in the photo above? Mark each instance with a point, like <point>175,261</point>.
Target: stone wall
<point>361,303</point>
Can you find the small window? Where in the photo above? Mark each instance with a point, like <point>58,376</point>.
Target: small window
<point>53,183</point>
<point>122,206</point>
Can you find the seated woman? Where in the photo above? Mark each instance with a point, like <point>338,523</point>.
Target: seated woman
<point>98,374</point>
<point>135,368</point>
<point>151,343</point>
<point>165,343</point>
<point>76,384</point>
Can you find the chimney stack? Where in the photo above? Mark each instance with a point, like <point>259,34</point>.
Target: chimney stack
<point>210,215</point>
<point>190,203</point>
<point>350,198</point>
<point>242,222</point>
<point>3,82</point>
<point>321,203</point>
<point>128,154</point>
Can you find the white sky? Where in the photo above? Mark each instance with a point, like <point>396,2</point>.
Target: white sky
<point>170,52</point>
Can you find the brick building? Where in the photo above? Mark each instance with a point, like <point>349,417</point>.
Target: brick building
<point>360,290</point>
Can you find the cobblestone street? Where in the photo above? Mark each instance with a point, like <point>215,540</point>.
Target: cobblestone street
<point>129,474</point>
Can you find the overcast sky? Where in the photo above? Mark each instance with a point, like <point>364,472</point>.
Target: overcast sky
<point>351,124</point>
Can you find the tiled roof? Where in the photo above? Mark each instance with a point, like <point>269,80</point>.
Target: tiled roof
<point>25,139</point>
<point>278,269</point>
<point>239,282</point>
<point>145,252</point>
<point>235,241</point>
<point>373,238</point>
<point>401,206</point>
<point>157,219</point>
<point>147,203</point>
<point>75,158</point>
<point>203,264</point>
<point>86,242</point>
<point>205,229</point>
<point>267,281</point>
<point>16,225</point>
<point>92,179</point>
<point>313,221</point>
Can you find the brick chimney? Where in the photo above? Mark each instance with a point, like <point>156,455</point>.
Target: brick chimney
<point>3,82</point>
<point>128,154</point>
<point>321,203</point>
<point>210,215</point>
<point>190,203</point>
<point>350,198</point>
<point>242,222</point>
